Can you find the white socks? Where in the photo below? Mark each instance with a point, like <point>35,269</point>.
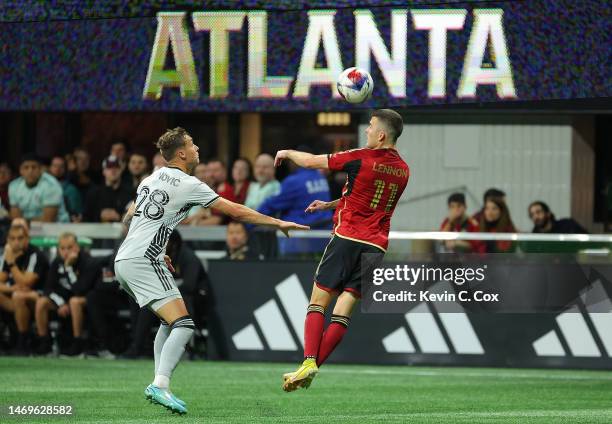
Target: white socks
<point>171,350</point>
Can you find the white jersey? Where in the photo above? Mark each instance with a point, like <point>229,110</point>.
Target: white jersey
<point>163,200</point>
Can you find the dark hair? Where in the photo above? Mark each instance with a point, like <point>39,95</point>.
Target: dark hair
<point>504,224</point>
<point>392,120</point>
<point>249,166</point>
<point>211,160</point>
<point>237,223</point>
<point>124,143</point>
<point>30,157</point>
<point>543,205</point>
<point>170,141</point>
<point>456,198</point>
<point>493,192</point>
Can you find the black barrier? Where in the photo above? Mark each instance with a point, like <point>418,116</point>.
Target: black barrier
<point>258,308</point>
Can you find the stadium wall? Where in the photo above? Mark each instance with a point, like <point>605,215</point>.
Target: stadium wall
<point>530,157</point>
<point>257,314</point>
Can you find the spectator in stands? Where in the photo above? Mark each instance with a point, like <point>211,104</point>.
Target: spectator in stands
<point>36,195</point>
<point>70,163</point>
<point>544,221</point>
<point>120,150</point>
<point>23,269</point>
<point>108,203</point>
<point>496,219</point>
<point>189,275</point>
<point>209,177</point>
<point>82,177</point>
<point>200,172</point>
<point>242,172</point>
<point>298,191</point>
<point>237,243</point>
<point>103,303</point>
<point>158,161</point>
<point>72,274</point>
<point>458,221</point>
<point>6,175</point>
<point>198,213</point>
<point>490,193</point>
<point>218,173</point>
<point>138,168</point>
<point>72,196</point>
<point>265,184</point>
<point>218,176</point>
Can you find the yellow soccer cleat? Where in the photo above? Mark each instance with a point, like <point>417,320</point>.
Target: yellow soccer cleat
<point>287,375</point>
<point>302,377</point>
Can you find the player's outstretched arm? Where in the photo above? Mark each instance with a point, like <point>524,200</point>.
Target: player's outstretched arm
<point>242,213</point>
<point>303,159</point>
<point>127,218</point>
<point>321,205</point>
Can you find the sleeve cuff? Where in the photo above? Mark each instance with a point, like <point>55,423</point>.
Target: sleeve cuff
<point>209,204</point>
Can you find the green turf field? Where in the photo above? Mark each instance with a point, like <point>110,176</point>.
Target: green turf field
<point>221,392</point>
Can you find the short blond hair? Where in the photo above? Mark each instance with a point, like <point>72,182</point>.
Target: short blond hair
<point>170,141</point>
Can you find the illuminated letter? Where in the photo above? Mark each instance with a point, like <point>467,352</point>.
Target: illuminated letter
<point>260,85</point>
<point>171,26</point>
<point>367,38</point>
<point>437,22</point>
<point>320,27</point>
<point>219,24</point>
<point>487,23</point>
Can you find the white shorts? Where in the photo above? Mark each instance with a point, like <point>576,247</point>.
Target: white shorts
<point>149,282</point>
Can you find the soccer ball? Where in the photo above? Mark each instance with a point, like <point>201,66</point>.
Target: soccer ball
<point>355,85</point>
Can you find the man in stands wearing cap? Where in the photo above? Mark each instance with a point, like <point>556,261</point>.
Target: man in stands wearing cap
<point>36,195</point>
<point>108,202</point>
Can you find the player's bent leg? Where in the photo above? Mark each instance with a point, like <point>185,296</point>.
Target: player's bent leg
<point>77,309</point>
<point>313,332</point>
<point>77,312</point>
<point>23,302</point>
<point>7,303</point>
<point>181,329</point>
<point>339,324</point>
<point>44,305</point>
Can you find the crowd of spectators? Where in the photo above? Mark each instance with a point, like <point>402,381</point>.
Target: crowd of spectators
<point>80,292</point>
<point>494,217</point>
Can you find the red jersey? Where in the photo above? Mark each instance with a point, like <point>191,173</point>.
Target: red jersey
<point>376,180</point>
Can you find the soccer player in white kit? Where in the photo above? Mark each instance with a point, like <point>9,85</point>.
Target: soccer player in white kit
<point>163,200</point>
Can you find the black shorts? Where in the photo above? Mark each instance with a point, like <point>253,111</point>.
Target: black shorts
<point>341,267</point>
<point>59,299</point>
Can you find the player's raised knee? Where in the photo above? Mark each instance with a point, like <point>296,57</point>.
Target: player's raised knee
<point>185,323</point>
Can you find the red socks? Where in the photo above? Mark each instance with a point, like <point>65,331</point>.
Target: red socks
<point>313,330</point>
<point>332,337</point>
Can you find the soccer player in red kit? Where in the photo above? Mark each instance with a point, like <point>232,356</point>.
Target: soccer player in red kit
<point>377,176</point>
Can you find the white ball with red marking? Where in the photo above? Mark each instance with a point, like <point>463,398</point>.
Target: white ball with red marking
<point>355,85</point>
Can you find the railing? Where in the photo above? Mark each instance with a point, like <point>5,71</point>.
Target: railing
<point>217,233</point>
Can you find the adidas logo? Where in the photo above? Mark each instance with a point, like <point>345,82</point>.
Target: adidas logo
<point>429,336</point>
<point>271,323</point>
<point>579,333</point>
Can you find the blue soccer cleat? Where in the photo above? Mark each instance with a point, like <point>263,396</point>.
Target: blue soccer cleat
<point>165,398</point>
